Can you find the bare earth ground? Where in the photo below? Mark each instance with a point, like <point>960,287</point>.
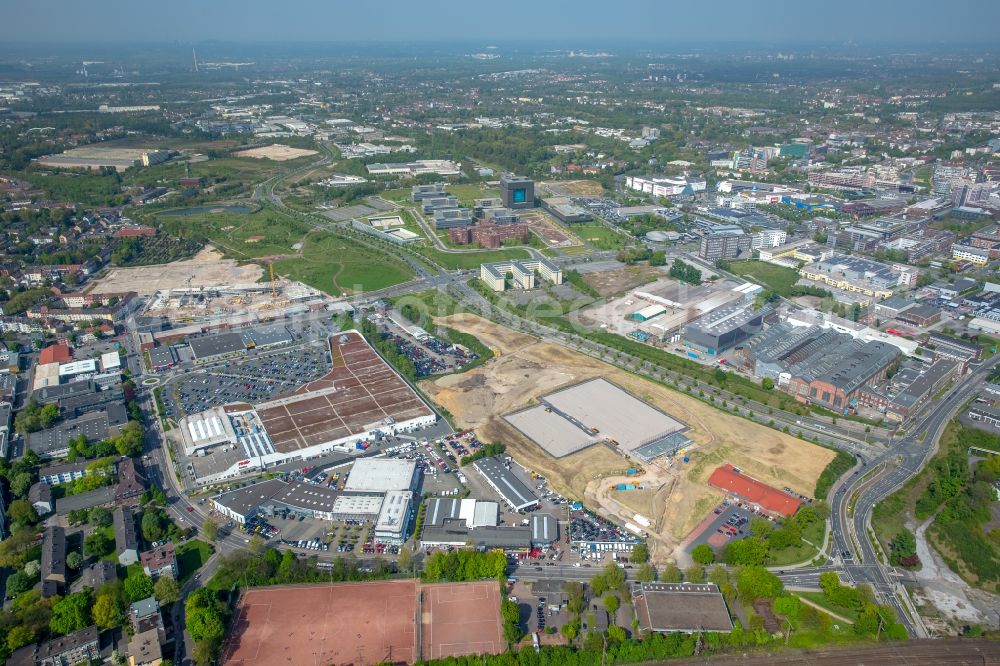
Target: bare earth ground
<point>275,152</point>
<point>573,188</point>
<point>957,603</point>
<point>528,368</point>
<point>205,269</point>
<point>620,280</point>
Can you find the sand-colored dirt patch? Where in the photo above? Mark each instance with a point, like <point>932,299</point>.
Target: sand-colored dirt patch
<point>205,269</point>
<point>276,153</point>
<point>527,368</point>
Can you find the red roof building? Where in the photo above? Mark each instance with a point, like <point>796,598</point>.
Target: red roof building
<point>159,562</point>
<point>727,479</point>
<point>54,354</point>
<point>134,232</point>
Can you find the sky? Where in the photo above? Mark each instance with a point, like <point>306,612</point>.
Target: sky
<point>560,21</point>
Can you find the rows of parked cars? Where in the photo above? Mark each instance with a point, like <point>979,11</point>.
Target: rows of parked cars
<point>733,526</point>
<point>589,527</point>
<point>259,526</point>
<point>460,444</point>
<point>252,380</point>
<point>308,544</point>
<point>430,356</point>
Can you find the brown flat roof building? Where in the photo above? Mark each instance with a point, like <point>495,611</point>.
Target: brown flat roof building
<point>685,607</point>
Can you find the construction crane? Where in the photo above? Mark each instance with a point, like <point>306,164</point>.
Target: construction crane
<point>274,285</point>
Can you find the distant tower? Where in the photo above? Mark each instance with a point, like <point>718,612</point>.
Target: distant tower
<point>194,56</point>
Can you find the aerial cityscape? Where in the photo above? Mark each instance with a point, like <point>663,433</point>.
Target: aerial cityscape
<point>517,334</point>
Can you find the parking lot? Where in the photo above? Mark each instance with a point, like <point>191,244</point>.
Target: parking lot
<point>538,611</point>
<point>454,447</point>
<point>256,379</point>
<point>593,537</point>
<point>729,521</point>
<point>438,477</point>
<point>429,355</point>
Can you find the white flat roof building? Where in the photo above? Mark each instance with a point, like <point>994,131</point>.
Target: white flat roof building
<point>381,475</point>
<point>77,368</point>
<point>206,429</point>
<point>111,361</point>
<point>394,518</point>
<point>479,513</point>
<point>350,506</point>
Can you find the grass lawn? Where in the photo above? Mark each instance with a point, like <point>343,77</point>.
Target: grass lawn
<point>820,599</point>
<point>334,265</point>
<point>467,194</point>
<point>191,556</point>
<point>990,345</point>
<point>464,260</point>
<point>599,235</point>
<point>802,551</point>
<point>571,251</point>
<point>778,278</point>
<point>239,235</point>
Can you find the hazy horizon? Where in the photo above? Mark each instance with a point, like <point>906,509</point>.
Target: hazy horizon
<point>559,22</point>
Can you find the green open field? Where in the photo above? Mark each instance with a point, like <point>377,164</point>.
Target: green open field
<point>465,260</point>
<point>224,169</point>
<point>778,278</point>
<point>335,265</point>
<point>466,193</point>
<point>327,262</point>
<point>599,235</point>
<point>820,599</point>
<point>230,231</point>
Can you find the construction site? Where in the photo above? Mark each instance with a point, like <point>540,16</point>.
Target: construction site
<point>672,490</point>
<point>660,310</point>
<point>194,303</point>
<point>207,286</point>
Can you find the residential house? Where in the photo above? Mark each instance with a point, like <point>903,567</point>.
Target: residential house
<point>126,538</point>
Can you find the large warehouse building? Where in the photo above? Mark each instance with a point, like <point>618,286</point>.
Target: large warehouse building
<point>685,607</point>
<point>510,488</point>
<point>360,398</point>
<point>596,411</point>
<point>725,328</point>
<point>379,491</point>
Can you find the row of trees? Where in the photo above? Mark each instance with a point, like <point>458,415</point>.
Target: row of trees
<point>461,565</point>
<point>205,616</point>
<point>127,443</point>
<point>485,451</point>
<point>685,272</point>
<point>636,253</point>
<point>387,348</point>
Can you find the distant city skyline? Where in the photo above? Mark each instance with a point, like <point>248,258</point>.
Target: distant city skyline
<point>561,21</point>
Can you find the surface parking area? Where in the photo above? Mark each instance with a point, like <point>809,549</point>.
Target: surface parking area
<point>430,356</point>
<point>255,379</point>
<point>594,536</point>
<point>727,522</point>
